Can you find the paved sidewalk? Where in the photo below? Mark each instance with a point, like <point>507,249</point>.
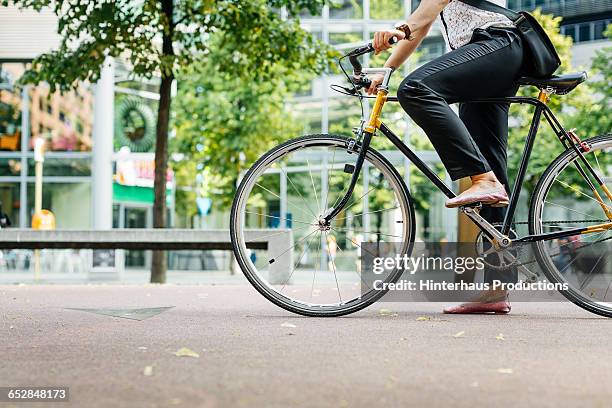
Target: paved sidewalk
<point>548,355</point>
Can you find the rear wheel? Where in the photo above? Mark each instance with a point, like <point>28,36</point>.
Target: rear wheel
<point>563,200</point>
<point>311,268</point>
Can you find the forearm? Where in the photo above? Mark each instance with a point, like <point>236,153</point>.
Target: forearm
<point>420,23</point>
<point>405,48</point>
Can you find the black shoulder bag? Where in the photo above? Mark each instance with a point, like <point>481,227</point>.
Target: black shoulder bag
<point>543,59</point>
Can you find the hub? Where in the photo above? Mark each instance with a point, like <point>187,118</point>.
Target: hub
<point>323,225</point>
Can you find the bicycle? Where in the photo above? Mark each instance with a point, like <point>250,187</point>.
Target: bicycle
<point>325,280</point>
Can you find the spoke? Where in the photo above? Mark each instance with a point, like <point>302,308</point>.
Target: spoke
<point>598,165</point>
<point>357,201</point>
<point>298,262</point>
<point>298,191</point>
<point>314,275</point>
<point>571,209</point>
<point>313,187</point>
<point>576,258</point>
<point>276,233</point>
<point>591,271</point>
<point>358,274</point>
<point>370,212</point>
<point>280,218</point>
<point>366,232</point>
<point>580,192</point>
<point>355,243</point>
<point>291,247</point>
<point>279,197</point>
<point>607,289</point>
<point>329,169</point>
<point>333,267</point>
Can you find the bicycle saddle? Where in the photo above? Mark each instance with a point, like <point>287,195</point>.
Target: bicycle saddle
<point>558,84</point>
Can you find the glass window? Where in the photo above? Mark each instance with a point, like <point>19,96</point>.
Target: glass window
<point>69,202</point>
<point>514,4</point>
<point>345,38</point>
<point>599,29</point>
<point>346,9</point>
<point>431,48</point>
<point>10,108</point>
<point>527,4</point>
<point>570,31</point>
<point>10,166</point>
<point>9,202</point>
<point>65,121</point>
<point>62,167</point>
<point>540,3</point>
<point>584,32</point>
<point>387,10</point>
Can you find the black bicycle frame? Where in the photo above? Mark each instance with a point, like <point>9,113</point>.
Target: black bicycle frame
<point>541,109</point>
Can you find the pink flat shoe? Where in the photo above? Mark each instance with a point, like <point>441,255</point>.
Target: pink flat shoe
<point>494,198</point>
<point>501,307</point>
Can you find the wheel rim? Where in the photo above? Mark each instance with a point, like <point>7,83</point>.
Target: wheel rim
<point>582,260</point>
<point>324,274</point>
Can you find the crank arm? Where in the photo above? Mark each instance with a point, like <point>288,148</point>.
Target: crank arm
<point>497,238</point>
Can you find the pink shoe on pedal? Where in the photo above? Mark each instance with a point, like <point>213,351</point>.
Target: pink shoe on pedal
<point>501,307</point>
<point>495,198</point>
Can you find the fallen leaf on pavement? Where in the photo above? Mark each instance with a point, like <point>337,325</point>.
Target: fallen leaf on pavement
<point>387,312</point>
<point>423,318</point>
<point>505,370</point>
<point>289,325</point>
<point>185,352</point>
<point>500,336</point>
<point>148,371</point>
<point>459,334</point>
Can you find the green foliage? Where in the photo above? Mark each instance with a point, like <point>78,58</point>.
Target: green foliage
<point>257,35</point>
<point>595,119</point>
<point>386,10</point>
<point>224,123</point>
<point>547,145</point>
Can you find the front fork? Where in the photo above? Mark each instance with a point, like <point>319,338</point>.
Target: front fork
<point>368,132</point>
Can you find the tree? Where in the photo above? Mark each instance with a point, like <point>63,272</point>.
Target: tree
<point>164,38</point>
<point>595,119</point>
<point>547,145</point>
<point>225,123</point>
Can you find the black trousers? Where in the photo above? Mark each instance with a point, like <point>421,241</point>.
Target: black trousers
<point>475,141</point>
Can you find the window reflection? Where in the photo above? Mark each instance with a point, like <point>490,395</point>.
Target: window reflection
<point>387,10</point>
<point>346,9</point>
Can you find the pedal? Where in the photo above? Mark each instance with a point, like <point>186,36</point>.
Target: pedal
<point>351,146</point>
<point>474,206</point>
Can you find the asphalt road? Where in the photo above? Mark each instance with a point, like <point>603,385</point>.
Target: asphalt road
<point>541,355</point>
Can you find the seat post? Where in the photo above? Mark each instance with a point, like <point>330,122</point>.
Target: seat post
<point>544,95</point>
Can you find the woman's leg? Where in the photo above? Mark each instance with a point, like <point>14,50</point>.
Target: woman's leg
<point>487,67</point>
<point>488,125</point>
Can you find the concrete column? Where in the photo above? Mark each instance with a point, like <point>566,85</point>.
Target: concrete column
<point>102,166</point>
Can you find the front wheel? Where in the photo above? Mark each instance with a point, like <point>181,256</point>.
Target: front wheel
<point>562,200</point>
<point>308,267</point>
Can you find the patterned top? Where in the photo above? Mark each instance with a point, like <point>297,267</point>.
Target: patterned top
<point>460,21</point>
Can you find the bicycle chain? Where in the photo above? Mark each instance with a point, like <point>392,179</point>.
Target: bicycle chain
<point>499,224</point>
<point>519,250</point>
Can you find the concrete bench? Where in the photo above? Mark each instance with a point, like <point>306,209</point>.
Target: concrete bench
<point>274,240</point>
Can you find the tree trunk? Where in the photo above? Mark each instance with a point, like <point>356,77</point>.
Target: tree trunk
<point>159,264</point>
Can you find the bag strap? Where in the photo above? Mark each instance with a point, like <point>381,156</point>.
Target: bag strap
<point>488,6</point>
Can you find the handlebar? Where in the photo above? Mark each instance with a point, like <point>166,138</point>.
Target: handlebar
<point>366,49</point>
